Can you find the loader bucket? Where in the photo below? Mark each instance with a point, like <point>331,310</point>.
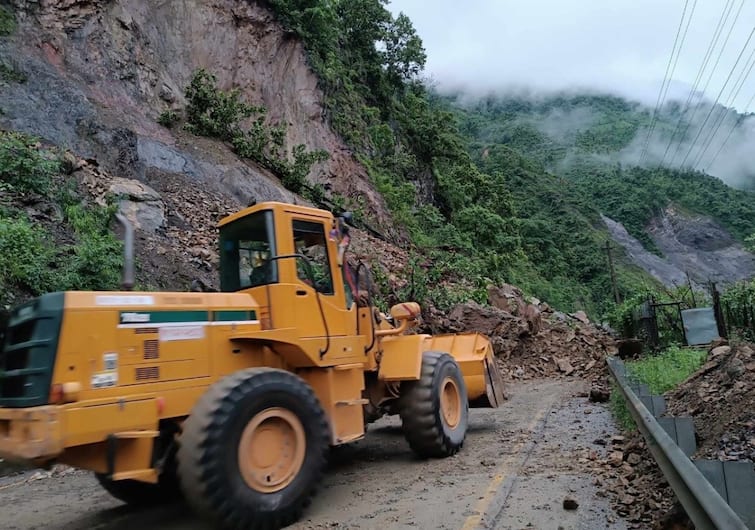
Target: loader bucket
<point>474,354</point>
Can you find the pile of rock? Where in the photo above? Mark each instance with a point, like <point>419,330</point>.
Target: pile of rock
<point>530,338</point>
<point>633,481</point>
<point>720,397</point>
<point>175,230</point>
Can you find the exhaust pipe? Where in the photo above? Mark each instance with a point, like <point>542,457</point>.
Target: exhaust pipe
<point>128,252</point>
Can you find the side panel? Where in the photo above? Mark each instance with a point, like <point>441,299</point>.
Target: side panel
<point>85,425</point>
<point>401,358</point>
<point>340,393</point>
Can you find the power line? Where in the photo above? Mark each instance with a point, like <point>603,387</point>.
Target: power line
<point>705,88</point>
<point>717,98</point>
<point>708,54</point>
<point>665,78</point>
<point>725,108</point>
<point>734,126</point>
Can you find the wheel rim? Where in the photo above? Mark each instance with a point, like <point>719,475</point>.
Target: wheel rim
<point>450,402</point>
<point>271,450</point>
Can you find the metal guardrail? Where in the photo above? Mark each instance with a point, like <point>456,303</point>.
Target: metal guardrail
<point>703,504</point>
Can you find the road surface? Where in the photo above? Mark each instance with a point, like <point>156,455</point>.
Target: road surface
<point>517,465</point>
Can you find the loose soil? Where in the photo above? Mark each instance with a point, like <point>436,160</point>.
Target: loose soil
<point>720,397</point>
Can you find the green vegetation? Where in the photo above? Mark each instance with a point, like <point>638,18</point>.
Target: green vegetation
<point>623,317</point>
<point>620,410</point>
<point>661,372</point>
<point>633,196</point>
<point>738,301</point>
<point>7,22</point>
<point>218,114</point>
<point>23,167</point>
<point>664,371</point>
<point>472,222</point>
<point>11,74</point>
<point>73,250</point>
<point>168,118</point>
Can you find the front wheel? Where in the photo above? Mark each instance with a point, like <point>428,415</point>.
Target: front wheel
<point>434,410</point>
<point>253,450</point>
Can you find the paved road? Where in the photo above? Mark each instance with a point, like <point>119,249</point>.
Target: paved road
<point>517,465</point>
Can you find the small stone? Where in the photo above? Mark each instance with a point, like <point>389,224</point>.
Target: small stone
<point>598,395</point>
<point>564,366</point>
<point>616,458</point>
<point>720,350</point>
<point>634,459</point>
<point>626,500</point>
<point>570,503</point>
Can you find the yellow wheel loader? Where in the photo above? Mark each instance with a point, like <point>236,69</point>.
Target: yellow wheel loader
<point>231,399</point>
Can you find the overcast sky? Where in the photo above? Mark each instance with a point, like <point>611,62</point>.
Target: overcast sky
<point>619,46</point>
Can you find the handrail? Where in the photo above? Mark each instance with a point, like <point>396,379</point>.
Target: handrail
<point>704,506</point>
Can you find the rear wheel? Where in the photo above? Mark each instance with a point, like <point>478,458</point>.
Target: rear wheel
<point>254,449</point>
<point>434,410</point>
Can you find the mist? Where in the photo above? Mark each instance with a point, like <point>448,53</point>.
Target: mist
<point>541,48</point>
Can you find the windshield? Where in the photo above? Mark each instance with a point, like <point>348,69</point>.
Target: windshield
<point>246,246</point>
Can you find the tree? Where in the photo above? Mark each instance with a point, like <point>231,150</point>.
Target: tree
<point>404,55</point>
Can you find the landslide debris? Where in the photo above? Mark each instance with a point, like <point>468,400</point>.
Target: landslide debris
<point>532,340</point>
<point>720,397</point>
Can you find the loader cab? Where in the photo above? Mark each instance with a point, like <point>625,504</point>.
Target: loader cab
<point>287,257</point>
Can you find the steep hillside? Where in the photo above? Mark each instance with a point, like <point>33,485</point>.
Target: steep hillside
<point>94,78</point>
<point>571,132</point>
<point>692,221</point>
<point>178,113</point>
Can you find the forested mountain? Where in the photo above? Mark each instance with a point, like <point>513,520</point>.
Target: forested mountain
<point>320,101</point>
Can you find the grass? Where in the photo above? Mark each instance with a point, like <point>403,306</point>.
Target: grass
<point>11,74</point>
<point>661,372</point>
<point>7,22</point>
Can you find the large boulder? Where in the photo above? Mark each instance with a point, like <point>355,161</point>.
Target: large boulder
<point>142,205</point>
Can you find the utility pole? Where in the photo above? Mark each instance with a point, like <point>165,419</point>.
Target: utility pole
<point>691,292</point>
<point>616,297</point>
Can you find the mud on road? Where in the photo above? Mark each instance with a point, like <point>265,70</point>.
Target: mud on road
<point>517,465</point>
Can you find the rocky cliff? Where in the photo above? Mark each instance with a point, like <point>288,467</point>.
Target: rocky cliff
<point>688,243</point>
<point>92,77</point>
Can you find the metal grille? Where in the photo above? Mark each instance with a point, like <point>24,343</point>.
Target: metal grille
<point>151,349</point>
<point>149,372</point>
<point>145,331</point>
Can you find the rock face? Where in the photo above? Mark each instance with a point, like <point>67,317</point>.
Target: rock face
<point>688,243</point>
<point>701,246</point>
<point>99,73</point>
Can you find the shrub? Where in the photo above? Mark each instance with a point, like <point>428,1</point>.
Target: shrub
<point>26,257</point>
<point>217,114</point>
<point>168,118</point>
<point>7,22</point>
<point>23,166</point>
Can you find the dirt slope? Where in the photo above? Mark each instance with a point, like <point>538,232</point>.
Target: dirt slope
<point>720,397</point>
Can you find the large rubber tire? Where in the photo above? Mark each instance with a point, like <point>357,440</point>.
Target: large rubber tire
<point>215,475</point>
<point>426,424</point>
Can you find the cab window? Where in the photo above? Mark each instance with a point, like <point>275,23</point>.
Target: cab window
<point>309,241</point>
<point>246,248</point>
